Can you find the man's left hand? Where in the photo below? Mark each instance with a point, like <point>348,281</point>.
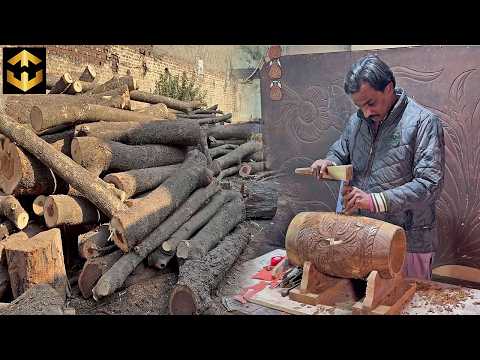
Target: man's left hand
<point>354,198</point>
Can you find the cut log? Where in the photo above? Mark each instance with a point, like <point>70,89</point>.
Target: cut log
<point>212,142</point>
<point>13,211</point>
<point>88,75</point>
<point>158,110</point>
<point>38,205</point>
<point>115,277</point>
<point>195,116</point>
<point>98,156</point>
<point>6,228</point>
<point>198,278</point>
<point>74,88</point>
<point>134,224</point>
<point>235,157</point>
<point>164,253</point>
<point>62,84</point>
<point>169,132</point>
<point>228,172</point>
<point>211,109</point>
<point>40,299</point>
<point>229,216</point>
<point>95,242</point>
<point>113,83</point>
<point>93,269</point>
<point>51,115</point>
<point>93,188</point>
<point>135,182</point>
<point>260,199</point>
<point>221,150</point>
<point>170,102</point>
<point>37,260</point>
<point>251,168</point>
<point>69,210</point>
<point>331,241</point>
<point>214,120</point>
<point>232,131</point>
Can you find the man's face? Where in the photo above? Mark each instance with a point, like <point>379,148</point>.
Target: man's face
<point>373,103</point>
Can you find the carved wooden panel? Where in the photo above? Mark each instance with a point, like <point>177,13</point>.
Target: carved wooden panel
<point>311,115</point>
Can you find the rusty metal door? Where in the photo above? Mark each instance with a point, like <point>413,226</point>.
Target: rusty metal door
<point>313,109</point>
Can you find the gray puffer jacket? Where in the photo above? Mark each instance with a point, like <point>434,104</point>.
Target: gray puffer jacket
<point>402,167</point>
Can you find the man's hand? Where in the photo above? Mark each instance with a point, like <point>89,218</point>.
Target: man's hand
<point>354,199</point>
<point>320,167</point>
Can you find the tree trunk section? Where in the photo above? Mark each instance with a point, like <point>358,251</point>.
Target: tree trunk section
<point>228,172</point>
<point>210,110</point>
<point>115,277</point>
<point>200,219</point>
<point>52,115</point>
<point>330,241</point>
<point>138,181</point>
<point>198,278</point>
<point>232,131</point>
<point>13,211</point>
<point>170,102</point>
<point>38,205</point>
<point>159,111</point>
<point>251,168</point>
<point>134,224</point>
<point>235,157</point>
<point>88,75</point>
<point>229,216</point>
<point>114,83</point>
<point>170,132</point>
<point>69,210</point>
<point>93,188</point>
<point>212,142</point>
<point>95,242</point>
<point>260,199</point>
<point>93,269</point>
<point>98,156</point>
<point>74,88</point>
<point>221,150</point>
<point>62,84</point>
<point>37,260</point>
<point>214,120</point>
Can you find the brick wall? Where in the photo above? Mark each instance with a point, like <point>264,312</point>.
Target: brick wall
<point>144,65</point>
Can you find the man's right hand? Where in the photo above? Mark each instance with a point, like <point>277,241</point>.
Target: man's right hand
<point>320,167</point>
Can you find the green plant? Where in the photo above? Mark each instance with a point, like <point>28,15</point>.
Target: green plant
<point>180,88</point>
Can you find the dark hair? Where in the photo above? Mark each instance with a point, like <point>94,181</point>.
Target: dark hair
<point>369,69</point>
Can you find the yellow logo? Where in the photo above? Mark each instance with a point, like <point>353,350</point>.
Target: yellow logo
<point>24,57</point>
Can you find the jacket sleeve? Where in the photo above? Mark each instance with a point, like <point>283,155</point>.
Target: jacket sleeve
<point>339,152</point>
<point>428,171</point>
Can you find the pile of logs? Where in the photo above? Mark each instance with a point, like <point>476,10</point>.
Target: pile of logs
<point>143,186</point>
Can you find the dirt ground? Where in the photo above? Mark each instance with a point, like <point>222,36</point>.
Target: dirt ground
<point>150,297</point>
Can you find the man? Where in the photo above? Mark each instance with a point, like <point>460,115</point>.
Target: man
<point>397,151</point>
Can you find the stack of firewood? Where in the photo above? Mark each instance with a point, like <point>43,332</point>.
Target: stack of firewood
<point>144,186</point>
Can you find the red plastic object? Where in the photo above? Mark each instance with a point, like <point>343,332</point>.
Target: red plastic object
<point>275,260</point>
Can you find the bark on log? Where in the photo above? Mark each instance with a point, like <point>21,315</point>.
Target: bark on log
<point>221,150</point>
<point>214,120</point>
<point>12,210</point>
<point>86,86</point>
<point>40,299</point>
<point>93,269</point>
<point>256,156</point>
<point>62,84</point>
<point>198,278</point>
<point>134,224</point>
<point>113,83</point>
<point>315,236</point>
<point>164,253</point>
<point>195,116</point>
<point>211,109</point>
<point>37,260</point>
<point>228,172</point>
<point>251,168</point>
<point>170,102</point>
<point>159,111</point>
<point>98,156</point>
<point>135,182</point>
<point>232,131</point>
<point>88,75</point>
<point>115,277</point>
<point>6,228</point>
<point>69,210</point>
<point>229,216</point>
<point>93,188</point>
<point>260,200</point>
<point>169,132</point>
<point>235,157</point>
<point>4,280</point>
<point>212,142</point>
<point>95,243</point>
<point>46,116</point>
